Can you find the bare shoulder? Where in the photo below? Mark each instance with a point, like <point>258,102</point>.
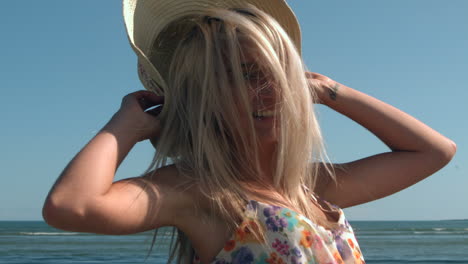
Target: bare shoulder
<point>174,191</point>
<point>324,178</point>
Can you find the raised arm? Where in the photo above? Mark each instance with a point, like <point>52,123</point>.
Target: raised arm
<point>417,151</point>
<point>84,197</point>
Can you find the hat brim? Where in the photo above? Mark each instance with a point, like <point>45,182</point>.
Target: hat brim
<point>145,19</point>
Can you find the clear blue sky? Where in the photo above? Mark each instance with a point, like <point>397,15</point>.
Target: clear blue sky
<point>65,65</point>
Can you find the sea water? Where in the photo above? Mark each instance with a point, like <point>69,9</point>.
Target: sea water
<point>380,241</point>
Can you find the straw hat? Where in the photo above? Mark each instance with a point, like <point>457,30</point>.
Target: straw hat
<point>146,19</point>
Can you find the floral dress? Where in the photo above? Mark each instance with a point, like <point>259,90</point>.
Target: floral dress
<point>289,238</point>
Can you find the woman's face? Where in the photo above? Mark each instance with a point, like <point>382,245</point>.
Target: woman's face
<point>262,99</point>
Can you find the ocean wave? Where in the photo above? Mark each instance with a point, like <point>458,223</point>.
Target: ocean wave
<point>48,233</point>
<point>440,232</point>
<point>422,260</point>
<point>413,231</point>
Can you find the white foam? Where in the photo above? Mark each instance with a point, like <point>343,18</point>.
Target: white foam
<point>48,233</point>
<point>439,232</point>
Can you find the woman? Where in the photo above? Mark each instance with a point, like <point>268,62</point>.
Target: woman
<point>247,160</point>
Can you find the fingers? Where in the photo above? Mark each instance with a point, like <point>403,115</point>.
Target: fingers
<point>154,110</point>
<point>313,75</point>
<point>147,100</point>
<point>148,96</point>
<point>147,103</point>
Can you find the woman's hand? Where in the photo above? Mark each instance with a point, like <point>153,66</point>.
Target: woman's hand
<point>322,85</point>
<point>132,118</point>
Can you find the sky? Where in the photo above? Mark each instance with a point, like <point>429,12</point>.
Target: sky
<point>65,65</point>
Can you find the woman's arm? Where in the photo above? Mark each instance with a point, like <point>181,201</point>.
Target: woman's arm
<point>84,197</point>
<point>417,151</point>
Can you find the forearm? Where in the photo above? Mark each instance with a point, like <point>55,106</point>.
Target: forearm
<point>91,172</point>
<point>398,130</point>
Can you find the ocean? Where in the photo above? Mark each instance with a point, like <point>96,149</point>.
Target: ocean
<point>381,242</point>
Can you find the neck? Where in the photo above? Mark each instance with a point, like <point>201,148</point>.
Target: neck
<point>267,158</point>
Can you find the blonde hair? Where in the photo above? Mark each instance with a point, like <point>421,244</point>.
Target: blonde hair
<point>202,134</point>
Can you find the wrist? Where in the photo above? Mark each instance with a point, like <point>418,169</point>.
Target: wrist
<point>117,135</point>
<point>330,93</point>
<point>121,130</point>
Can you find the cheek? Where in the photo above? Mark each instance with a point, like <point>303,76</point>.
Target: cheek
<point>262,91</point>
<point>242,114</point>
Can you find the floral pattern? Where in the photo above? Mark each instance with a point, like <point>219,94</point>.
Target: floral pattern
<point>290,238</point>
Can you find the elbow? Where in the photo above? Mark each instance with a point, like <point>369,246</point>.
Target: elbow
<point>61,216</point>
<point>446,153</point>
<point>454,147</point>
<point>450,151</point>
<point>49,213</point>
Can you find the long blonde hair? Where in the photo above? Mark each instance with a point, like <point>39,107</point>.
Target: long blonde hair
<point>202,133</point>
